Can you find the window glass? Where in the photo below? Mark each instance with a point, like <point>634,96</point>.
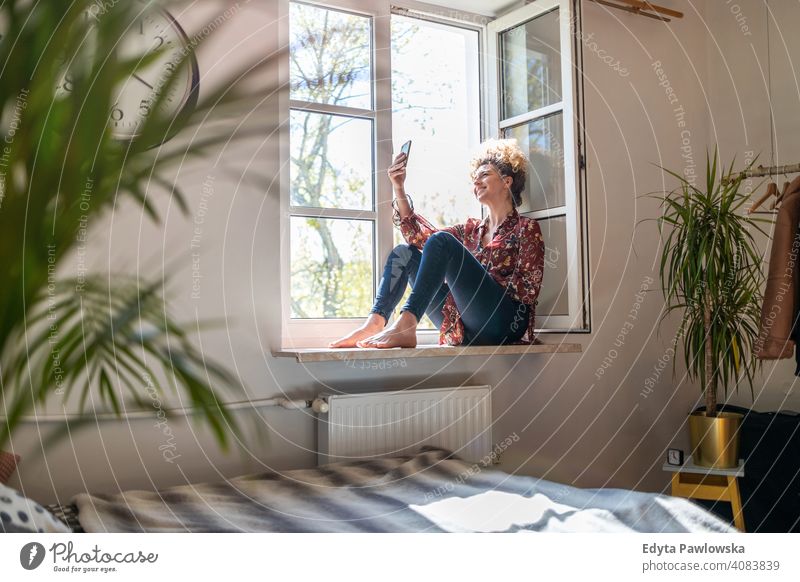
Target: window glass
<point>530,65</point>
<point>331,267</point>
<point>329,57</point>
<point>542,140</point>
<point>331,161</point>
<point>554,295</point>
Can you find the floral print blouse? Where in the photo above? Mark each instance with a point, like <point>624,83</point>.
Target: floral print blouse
<point>514,258</point>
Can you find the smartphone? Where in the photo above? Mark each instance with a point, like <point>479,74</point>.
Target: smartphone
<point>406,149</point>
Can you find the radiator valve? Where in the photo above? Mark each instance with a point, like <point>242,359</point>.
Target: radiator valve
<point>320,406</point>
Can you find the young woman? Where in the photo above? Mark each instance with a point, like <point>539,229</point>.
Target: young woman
<point>478,281</point>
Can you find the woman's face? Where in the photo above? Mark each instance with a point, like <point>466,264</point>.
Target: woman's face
<point>489,186</point>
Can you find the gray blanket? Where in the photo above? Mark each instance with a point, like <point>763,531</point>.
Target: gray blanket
<point>430,492</point>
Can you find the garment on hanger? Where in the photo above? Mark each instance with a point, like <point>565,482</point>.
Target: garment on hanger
<point>795,337</point>
<point>779,330</point>
<point>780,196</point>
<point>771,192</point>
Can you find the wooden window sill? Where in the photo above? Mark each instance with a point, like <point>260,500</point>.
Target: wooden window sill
<point>310,355</point>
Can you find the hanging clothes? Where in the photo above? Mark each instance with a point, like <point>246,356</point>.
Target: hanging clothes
<point>779,330</point>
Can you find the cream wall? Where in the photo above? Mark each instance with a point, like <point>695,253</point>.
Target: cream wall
<point>577,422</point>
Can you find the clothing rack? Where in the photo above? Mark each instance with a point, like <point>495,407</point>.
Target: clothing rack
<point>761,171</point>
<point>642,8</point>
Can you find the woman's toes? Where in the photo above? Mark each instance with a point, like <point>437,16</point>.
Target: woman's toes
<point>340,343</point>
<point>351,340</point>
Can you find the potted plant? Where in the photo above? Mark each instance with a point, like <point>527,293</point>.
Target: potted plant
<point>62,167</point>
<point>710,273</point>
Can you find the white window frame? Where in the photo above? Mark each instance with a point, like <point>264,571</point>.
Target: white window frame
<point>577,318</point>
<point>297,333</point>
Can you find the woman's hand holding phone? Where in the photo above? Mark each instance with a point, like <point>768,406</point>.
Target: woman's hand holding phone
<point>397,172</point>
<point>397,176</point>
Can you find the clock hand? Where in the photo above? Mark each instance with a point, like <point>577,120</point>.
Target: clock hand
<point>138,78</point>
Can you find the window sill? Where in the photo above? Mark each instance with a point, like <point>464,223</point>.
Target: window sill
<point>312,355</point>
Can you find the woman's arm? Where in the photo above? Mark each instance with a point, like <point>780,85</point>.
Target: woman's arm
<point>397,176</point>
<point>527,278</point>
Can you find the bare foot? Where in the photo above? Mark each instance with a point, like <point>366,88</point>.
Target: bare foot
<point>374,324</point>
<point>401,334</point>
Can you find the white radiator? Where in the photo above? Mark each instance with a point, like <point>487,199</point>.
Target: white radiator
<point>384,424</point>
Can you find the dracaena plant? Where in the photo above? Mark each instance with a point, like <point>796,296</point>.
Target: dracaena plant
<point>710,274</point>
<point>89,334</point>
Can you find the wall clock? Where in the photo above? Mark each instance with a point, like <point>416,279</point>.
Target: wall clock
<point>154,29</point>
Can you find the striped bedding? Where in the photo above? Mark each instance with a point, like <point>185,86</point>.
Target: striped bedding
<point>432,491</point>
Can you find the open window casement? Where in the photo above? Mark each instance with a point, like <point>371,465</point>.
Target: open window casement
<point>533,98</point>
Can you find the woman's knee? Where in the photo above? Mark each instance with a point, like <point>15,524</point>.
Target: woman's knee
<point>404,253</point>
<point>441,238</point>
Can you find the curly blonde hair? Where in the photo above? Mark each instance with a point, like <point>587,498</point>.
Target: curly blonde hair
<point>509,160</point>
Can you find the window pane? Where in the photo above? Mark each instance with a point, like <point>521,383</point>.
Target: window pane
<point>531,65</point>
<point>330,57</point>
<point>436,103</point>
<point>543,141</point>
<point>554,295</point>
<point>331,267</point>
<point>331,161</point>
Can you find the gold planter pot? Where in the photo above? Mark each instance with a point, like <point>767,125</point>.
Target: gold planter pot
<point>715,439</point>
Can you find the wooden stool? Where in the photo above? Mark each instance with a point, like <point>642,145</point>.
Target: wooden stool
<point>694,482</point>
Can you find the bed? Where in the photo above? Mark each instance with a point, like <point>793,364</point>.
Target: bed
<point>432,491</point>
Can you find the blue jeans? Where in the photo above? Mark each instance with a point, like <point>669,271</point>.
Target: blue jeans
<point>445,266</point>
